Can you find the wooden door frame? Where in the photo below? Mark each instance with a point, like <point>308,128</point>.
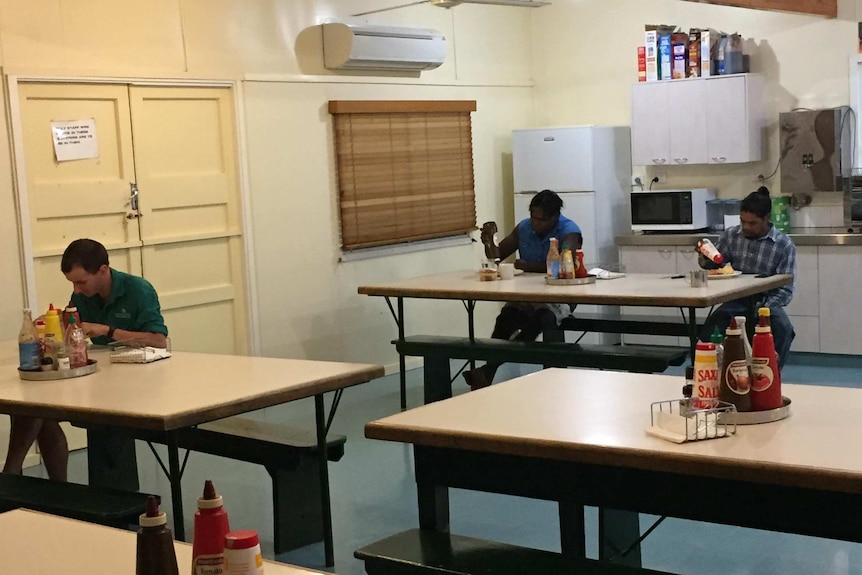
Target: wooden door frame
<point>19,175</point>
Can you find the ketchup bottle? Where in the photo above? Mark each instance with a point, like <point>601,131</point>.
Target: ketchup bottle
<point>765,373</point>
<point>709,251</point>
<point>211,525</point>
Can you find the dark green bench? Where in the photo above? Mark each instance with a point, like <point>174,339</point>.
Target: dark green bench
<point>418,552</point>
<point>438,350</point>
<point>103,505</point>
<point>289,456</point>
<point>600,322</point>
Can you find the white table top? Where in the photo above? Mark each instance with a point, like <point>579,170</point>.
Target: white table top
<point>186,389</point>
<point>601,416</point>
<point>41,544</point>
<point>633,289</point>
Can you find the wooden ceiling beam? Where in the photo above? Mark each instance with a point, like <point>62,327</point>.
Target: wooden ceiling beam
<point>827,8</point>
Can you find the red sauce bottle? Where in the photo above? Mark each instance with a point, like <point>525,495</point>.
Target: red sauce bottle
<point>211,525</point>
<point>765,373</point>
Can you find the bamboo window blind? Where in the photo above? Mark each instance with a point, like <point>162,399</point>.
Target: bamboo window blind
<point>405,170</point>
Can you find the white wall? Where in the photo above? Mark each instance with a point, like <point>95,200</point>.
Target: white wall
<point>580,53</point>
<point>307,299</point>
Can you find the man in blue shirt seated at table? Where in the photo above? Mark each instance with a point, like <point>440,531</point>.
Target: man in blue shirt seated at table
<point>757,247</point>
<point>532,239</point>
<point>114,306</point>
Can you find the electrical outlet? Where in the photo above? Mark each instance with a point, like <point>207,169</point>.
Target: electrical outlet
<point>662,177</point>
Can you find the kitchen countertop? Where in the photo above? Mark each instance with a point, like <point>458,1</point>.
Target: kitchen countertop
<point>800,236</point>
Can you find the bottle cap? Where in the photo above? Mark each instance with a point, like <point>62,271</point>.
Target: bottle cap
<point>733,328</point>
<point>210,499</point>
<point>152,517</point>
<point>243,539</point>
<point>764,311</point>
<point>705,346</point>
<point>716,336</point>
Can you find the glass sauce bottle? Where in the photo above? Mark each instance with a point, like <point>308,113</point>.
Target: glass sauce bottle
<point>735,382</point>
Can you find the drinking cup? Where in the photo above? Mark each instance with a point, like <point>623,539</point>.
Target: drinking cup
<point>698,278</point>
<point>506,270</point>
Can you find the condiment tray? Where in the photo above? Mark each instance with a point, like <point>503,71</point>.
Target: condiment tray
<point>590,279</point>
<point>61,374</point>
<point>755,417</point>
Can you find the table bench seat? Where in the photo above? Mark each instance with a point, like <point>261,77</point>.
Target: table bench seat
<point>423,552</point>
<point>438,350</point>
<point>289,455</point>
<point>103,505</point>
<point>611,322</point>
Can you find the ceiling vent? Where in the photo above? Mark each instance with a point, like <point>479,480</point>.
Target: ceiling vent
<point>369,47</point>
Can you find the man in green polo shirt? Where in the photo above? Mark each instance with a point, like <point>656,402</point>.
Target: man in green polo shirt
<point>114,306</point>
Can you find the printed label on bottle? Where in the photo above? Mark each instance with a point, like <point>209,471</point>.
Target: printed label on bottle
<point>208,565</point>
<point>737,377</point>
<point>705,392</point>
<point>555,270</point>
<point>761,374</point>
<point>28,355</point>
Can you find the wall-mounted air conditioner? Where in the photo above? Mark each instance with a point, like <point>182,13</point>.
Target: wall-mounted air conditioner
<point>366,47</point>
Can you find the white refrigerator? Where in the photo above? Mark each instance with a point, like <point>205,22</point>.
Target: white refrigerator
<point>590,167</point>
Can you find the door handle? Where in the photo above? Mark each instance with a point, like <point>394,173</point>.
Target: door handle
<point>681,160</point>
<point>658,160</point>
<point>719,159</point>
<point>133,196</point>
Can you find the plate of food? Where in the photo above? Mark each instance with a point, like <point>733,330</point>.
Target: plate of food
<point>724,273</point>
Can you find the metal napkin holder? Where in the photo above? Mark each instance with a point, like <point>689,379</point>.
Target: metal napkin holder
<point>700,424</point>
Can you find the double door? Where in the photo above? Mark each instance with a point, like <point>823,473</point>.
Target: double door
<point>161,194</point>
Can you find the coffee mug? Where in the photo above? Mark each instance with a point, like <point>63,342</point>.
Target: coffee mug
<point>507,271</point>
<point>698,278</point>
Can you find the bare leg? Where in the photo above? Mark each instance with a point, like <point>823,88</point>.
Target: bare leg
<point>516,323</point>
<point>54,449</point>
<point>22,434</point>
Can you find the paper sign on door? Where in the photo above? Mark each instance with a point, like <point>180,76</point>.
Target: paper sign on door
<point>75,140</point>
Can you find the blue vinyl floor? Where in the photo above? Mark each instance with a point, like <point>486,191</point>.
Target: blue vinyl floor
<point>373,495</point>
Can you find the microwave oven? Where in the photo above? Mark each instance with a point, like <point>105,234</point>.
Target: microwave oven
<point>670,210</point>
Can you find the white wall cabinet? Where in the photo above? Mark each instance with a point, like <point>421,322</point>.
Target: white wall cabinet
<point>839,274</point>
<point>716,120</point>
<point>669,260</point>
<point>804,308</point>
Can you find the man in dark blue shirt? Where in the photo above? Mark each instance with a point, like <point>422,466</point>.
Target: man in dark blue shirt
<point>532,239</point>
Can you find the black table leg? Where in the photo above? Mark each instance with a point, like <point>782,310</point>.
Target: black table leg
<point>326,508</point>
<point>618,530</point>
<point>692,330</point>
<point>175,477</point>
<point>572,530</point>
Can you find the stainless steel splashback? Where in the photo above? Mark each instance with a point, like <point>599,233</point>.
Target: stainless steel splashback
<point>815,150</point>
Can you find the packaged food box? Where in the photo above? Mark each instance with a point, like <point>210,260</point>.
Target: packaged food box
<point>651,49</point>
<point>664,56</point>
<point>679,49</point>
<point>641,64</point>
<point>694,53</point>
